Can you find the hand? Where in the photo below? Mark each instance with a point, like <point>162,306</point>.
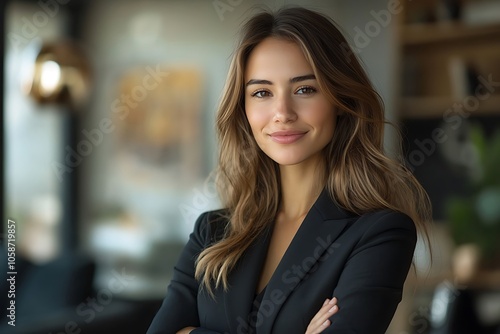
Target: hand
<point>320,321</point>
<point>186,330</point>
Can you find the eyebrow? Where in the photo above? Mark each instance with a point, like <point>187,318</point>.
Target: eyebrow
<point>292,80</point>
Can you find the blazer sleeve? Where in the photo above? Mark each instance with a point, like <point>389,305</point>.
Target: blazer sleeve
<point>371,284</point>
<point>179,308</point>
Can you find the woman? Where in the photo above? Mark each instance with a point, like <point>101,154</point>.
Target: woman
<point>318,230</point>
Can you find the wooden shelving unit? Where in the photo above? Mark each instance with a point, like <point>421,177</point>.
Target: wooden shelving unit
<point>441,62</point>
<point>447,32</point>
<point>432,107</point>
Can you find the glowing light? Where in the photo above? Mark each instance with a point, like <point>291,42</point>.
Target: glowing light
<point>50,76</point>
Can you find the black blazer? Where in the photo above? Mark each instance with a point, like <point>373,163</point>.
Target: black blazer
<point>361,260</point>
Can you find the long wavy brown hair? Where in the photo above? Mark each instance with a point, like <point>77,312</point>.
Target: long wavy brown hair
<point>360,177</point>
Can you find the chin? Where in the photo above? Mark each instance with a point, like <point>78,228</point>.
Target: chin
<point>287,160</point>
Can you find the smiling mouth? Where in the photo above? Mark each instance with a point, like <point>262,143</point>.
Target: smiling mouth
<point>286,137</point>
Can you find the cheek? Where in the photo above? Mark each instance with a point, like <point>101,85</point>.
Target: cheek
<point>322,115</point>
<point>256,119</point>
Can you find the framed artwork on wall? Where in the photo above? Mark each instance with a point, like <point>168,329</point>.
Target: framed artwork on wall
<point>159,126</point>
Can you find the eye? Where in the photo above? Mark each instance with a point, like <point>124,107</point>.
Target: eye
<point>306,90</point>
<point>260,94</point>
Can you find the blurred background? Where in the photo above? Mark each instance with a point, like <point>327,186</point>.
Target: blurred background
<point>108,143</point>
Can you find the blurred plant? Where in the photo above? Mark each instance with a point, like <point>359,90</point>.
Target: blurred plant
<point>476,217</point>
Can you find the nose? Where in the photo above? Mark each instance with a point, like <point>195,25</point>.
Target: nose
<point>283,111</point>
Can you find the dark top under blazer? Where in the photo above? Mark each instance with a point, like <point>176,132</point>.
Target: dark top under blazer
<point>361,260</point>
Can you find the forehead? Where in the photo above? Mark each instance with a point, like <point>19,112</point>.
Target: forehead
<point>276,57</point>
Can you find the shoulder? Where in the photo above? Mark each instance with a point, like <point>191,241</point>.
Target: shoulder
<point>211,225</point>
<point>385,222</point>
<point>381,232</point>
<point>387,219</point>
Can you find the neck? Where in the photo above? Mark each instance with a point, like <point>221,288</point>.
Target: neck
<point>301,185</point>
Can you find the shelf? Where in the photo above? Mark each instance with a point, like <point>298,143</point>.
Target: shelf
<point>422,34</point>
<point>482,280</point>
<point>435,107</point>
<point>487,280</point>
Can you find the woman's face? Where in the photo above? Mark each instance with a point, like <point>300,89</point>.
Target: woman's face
<point>291,119</point>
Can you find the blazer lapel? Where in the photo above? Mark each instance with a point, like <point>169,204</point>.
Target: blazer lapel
<point>243,283</point>
<point>314,239</point>
<point>316,235</point>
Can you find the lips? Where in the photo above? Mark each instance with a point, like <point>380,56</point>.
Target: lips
<point>287,137</point>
